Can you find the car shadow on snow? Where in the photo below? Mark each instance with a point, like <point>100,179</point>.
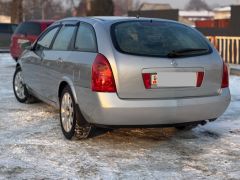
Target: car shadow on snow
<point>152,134</point>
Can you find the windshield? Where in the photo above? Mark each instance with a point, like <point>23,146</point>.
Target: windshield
<point>157,38</point>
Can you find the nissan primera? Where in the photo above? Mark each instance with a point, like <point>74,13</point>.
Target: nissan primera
<point>123,72</point>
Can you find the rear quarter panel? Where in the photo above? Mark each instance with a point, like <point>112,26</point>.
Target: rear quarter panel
<point>76,70</point>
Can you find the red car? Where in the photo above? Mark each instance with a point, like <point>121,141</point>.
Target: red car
<point>27,31</point>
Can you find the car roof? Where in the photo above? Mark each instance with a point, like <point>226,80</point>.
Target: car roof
<point>107,19</point>
<point>112,18</point>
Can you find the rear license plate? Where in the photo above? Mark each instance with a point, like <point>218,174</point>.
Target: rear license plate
<point>174,79</point>
<point>21,41</point>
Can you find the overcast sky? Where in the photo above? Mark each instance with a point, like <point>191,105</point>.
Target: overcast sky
<point>182,3</point>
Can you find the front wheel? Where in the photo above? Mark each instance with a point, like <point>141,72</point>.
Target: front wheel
<point>73,123</point>
<point>19,87</point>
<point>186,128</point>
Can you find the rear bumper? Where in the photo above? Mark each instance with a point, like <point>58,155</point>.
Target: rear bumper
<point>108,109</point>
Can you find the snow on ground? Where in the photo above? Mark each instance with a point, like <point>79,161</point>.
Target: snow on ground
<point>32,145</point>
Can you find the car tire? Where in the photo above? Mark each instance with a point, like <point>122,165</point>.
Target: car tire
<point>190,126</point>
<point>186,128</point>
<point>19,88</point>
<point>73,123</point>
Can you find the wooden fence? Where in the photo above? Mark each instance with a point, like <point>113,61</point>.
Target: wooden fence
<point>228,47</point>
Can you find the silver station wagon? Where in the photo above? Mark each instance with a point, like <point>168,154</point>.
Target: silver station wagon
<point>123,72</point>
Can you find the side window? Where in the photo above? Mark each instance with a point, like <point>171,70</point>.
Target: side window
<point>45,41</point>
<point>86,39</point>
<point>64,38</point>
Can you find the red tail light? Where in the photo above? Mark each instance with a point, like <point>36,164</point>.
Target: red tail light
<point>225,77</point>
<point>102,76</point>
<point>147,80</point>
<point>200,76</point>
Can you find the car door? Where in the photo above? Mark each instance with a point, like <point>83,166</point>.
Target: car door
<point>53,61</point>
<point>72,55</point>
<point>32,63</point>
<point>84,54</point>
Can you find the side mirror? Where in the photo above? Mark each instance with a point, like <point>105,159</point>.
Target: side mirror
<point>26,45</point>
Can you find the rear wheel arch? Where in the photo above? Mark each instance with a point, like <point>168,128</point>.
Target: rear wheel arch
<point>61,87</point>
<point>64,84</point>
<point>73,123</point>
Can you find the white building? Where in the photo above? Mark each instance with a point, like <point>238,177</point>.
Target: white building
<point>222,12</point>
<point>196,15</point>
<point>5,19</point>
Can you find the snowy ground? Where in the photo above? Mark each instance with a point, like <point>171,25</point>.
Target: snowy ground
<point>32,145</point>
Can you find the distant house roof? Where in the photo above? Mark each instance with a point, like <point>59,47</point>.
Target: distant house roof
<point>222,12</point>
<point>221,9</point>
<point>154,6</point>
<point>5,19</point>
<point>206,14</point>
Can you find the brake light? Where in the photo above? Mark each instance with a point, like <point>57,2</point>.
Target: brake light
<point>225,76</point>
<point>147,80</point>
<point>200,76</point>
<point>102,76</point>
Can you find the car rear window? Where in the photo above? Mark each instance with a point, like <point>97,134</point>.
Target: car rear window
<point>29,28</point>
<point>156,38</point>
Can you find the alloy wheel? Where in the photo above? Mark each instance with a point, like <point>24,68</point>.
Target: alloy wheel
<point>67,112</point>
<point>19,85</point>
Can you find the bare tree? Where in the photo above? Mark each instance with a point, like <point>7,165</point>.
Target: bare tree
<point>54,10</point>
<point>136,5</point>
<point>121,7</point>
<point>101,8</point>
<point>72,3</point>
<point>17,11</point>
<point>5,8</point>
<point>80,9</point>
<point>197,5</point>
<point>39,9</point>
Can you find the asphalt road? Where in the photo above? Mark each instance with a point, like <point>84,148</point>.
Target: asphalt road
<point>32,145</point>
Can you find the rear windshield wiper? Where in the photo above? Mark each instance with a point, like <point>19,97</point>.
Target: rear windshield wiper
<point>183,52</point>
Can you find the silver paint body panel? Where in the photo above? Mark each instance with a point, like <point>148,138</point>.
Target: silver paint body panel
<point>132,104</point>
